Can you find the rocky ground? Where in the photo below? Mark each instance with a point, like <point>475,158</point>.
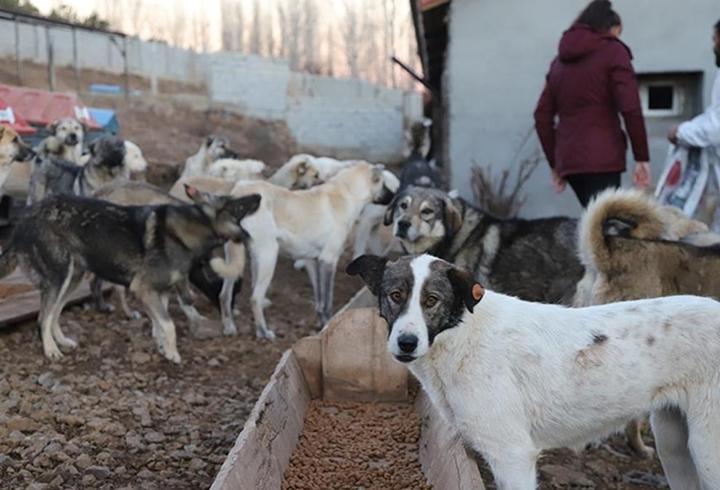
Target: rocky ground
<point>115,414</point>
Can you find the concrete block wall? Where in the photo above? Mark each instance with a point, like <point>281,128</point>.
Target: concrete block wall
<point>97,51</point>
<point>328,116</point>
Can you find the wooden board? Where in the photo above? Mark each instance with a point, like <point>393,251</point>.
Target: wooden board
<point>262,451</point>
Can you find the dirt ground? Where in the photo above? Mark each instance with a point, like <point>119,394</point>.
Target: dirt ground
<point>116,414</point>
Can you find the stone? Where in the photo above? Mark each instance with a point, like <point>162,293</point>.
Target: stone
<point>196,464</point>
<point>83,461</point>
<point>20,423</point>
<point>99,472</point>
<point>146,474</point>
<point>153,436</point>
<point>561,475</point>
<point>46,379</point>
<point>139,358</point>
<point>88,480</point>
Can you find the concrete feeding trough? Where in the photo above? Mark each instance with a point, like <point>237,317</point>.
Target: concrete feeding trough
<point>347,362</point>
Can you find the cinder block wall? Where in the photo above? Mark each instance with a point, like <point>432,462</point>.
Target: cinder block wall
<point>328,116</point>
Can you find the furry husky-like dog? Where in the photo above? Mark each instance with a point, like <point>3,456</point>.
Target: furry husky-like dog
<point>535,260</point>
<point>12,149</point>
<point>633,247</point>
<point>515,378</point>
<point>148,249</point>
<point>51,176</point>
<point>201,274</point>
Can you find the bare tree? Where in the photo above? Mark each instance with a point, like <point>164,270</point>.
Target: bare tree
<point>330,52</point>
<point>227,25</point>
<point>496,195</point>
<point>256,29</point>
<point>269,42</point>
<point>351,37</point>
<point>137,16</point>
<point>239,28</point>
<point>178,31</point>
<point>309,28</point>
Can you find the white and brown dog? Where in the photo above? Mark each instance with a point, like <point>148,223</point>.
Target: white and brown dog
<point>12,149</point>
<point>66,140</point>
<point>515,378</point>
<point>213,148</point>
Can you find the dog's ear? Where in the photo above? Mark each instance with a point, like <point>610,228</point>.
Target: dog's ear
<point>371,269</point>
<point>465,287</point>
<point>244,206</point>
<point>209,140</point>
<point>302,167</point>
<point>194,194</point>
<point>390,211</point>
<point>52,127</point>
<point>453,218</point>
<point>618,227</point>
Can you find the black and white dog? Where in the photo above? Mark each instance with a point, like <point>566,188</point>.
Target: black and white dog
<point>515,378</point>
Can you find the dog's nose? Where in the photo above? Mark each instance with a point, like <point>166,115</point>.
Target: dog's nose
<point>403,227</point>
<point>71,138</point>
<point>407,343</point>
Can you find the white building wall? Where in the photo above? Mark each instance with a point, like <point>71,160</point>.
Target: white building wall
<point>499,53</point>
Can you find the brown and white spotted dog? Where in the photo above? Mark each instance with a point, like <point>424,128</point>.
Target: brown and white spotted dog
<point>515,378</point>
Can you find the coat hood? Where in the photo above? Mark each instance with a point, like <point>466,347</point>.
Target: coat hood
<point>582,40</point>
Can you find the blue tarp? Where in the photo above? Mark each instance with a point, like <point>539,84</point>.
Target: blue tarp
<point>106,118</point>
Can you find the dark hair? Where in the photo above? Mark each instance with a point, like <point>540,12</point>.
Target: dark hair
<point>599,15</point>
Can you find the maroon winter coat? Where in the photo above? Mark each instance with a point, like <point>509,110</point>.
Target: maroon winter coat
<point>589,83</point>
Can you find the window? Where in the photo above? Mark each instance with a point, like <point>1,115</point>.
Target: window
<point>662,98</point>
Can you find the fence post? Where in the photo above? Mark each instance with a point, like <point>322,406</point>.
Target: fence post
<point>127,68</point>
<point>18,60</point>
<point>76,67</point>
<point>50,60</point>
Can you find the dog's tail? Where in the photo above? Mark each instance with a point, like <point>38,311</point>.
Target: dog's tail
<point>8,261</point>
<point>631,214</point>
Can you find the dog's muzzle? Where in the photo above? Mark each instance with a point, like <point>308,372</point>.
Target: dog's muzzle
<point>71,139</point>
<point>407,343</point>
<point>402,229</point>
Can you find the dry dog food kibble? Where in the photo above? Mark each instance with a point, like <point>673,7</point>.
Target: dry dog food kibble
<point>348,445</point>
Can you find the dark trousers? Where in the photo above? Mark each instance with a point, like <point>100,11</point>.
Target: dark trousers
<point>586,186</point>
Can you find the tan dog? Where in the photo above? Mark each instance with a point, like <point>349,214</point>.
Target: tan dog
<point>632,247</point>
<point>12,149</point>
<point>66,139</point>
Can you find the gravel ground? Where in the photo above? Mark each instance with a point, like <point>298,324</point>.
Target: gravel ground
<point>114,413</point>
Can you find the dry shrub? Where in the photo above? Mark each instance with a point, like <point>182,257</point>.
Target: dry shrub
<point>497,195</point>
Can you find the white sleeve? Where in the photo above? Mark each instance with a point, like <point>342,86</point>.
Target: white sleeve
<point>703,130</point>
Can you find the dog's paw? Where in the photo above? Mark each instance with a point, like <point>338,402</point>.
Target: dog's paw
<point>134,315</point>
<point>173,357</point>
<point>230,329</point>
<point>266,303</point>
<point>265,334</point>
<point>106,308</point>
<point>67,342</point>
<point>52,352</point>
<point>644,452</point>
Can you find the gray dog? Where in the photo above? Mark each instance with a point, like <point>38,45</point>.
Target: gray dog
<point>148,249</point>
<point>55,176</point>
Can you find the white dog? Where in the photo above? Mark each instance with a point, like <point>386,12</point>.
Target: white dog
<point>212,149</point>
<point>515,378</point>
<point>66,140</point>
<point>304,171</point>
<point>310,225</point>
<point>233,170</point>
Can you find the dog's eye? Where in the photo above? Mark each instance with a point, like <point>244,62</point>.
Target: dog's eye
<point>403,205</point>
<point>431,301</point>
<point>426,212</point>
<point>396,296</point>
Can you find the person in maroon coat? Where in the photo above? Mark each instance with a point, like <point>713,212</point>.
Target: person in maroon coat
<point>589,83</point>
